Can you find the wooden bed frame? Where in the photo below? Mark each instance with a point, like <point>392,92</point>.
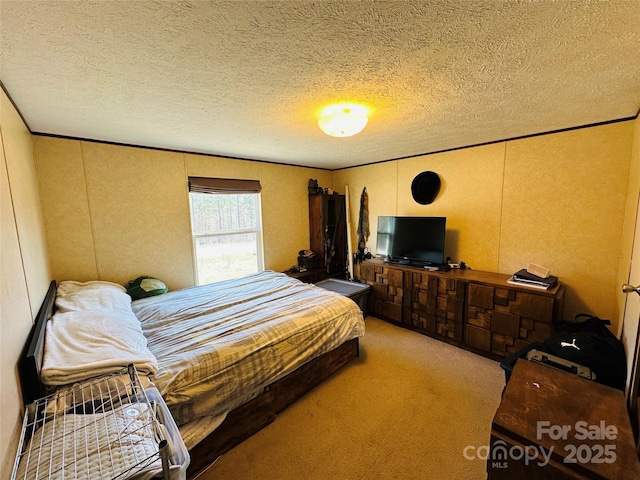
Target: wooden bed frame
<point>239,424</point>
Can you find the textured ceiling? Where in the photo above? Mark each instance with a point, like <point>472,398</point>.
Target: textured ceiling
<point>246,79</point>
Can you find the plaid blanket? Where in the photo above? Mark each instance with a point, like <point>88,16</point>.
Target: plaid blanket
<point>219,345</point>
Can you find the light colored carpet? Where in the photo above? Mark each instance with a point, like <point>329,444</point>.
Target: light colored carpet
<point>406,409</point>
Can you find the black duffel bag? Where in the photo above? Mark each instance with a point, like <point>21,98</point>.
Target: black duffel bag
<point>587,341</point>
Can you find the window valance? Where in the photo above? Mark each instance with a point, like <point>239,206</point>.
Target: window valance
<point>223,185</point>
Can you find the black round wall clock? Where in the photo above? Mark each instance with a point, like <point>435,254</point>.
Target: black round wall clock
<point>425,187</point>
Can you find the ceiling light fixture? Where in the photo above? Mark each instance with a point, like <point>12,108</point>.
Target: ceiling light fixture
<point>343,119</point>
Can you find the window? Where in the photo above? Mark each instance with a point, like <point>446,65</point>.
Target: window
<point>226,227</point>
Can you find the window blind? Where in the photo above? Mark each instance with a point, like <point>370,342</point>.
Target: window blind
<point>223,185</point>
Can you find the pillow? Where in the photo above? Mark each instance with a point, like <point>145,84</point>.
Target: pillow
<point>84,296</point>
<point>143,287</point>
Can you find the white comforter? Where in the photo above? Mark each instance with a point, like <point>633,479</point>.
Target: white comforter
<point>218,345</point>
<point>93,331</point>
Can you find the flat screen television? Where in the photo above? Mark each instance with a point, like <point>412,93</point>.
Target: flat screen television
<point>413,240</point>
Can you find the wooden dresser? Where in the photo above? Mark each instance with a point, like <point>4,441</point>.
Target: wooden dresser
<point>472,309</point>
<point>555,425</point>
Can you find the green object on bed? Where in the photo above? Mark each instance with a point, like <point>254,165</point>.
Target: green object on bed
<point>143,287</point>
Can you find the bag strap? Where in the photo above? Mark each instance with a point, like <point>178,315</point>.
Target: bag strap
<point>592,319</point>
<point>583,322</point>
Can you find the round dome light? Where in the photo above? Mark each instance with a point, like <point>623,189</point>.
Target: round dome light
<point>343,119</point>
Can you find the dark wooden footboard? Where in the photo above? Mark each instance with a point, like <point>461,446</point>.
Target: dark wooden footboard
<point>251,417</point>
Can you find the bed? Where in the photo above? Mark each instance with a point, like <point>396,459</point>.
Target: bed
<point>227,357</point>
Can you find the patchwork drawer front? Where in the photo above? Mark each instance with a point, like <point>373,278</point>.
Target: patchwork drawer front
<point>511,318</point>
<point>386,295</point>
<point>437,305</point>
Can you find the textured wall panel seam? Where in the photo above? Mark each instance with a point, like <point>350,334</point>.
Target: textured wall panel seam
<point>15,224</point>
<point>504,170</point>
<point>194,265</point>
<point>91,219</point>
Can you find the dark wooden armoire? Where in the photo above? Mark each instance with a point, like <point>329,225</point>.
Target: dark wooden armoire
<point>328,232</point>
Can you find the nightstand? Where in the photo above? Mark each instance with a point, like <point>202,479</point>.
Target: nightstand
<point>309,276</point>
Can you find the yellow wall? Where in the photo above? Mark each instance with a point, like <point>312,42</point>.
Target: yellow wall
<point>115,212</point>
<point>630,248</point>
<point>24,274</point>
<point>557,200</point>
